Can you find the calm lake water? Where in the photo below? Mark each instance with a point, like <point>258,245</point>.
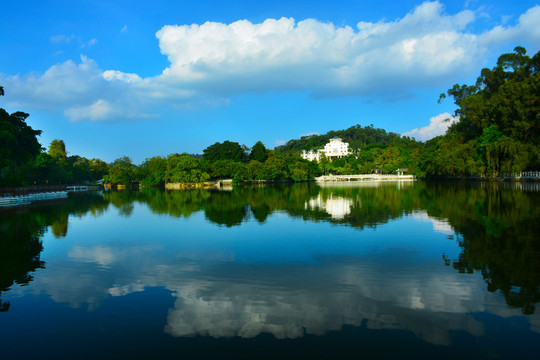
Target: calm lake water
<point>370,270</point>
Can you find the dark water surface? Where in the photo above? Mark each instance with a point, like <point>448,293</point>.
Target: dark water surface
<point>394,270</point>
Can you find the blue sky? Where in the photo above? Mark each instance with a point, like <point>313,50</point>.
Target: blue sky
<point>140,78</point>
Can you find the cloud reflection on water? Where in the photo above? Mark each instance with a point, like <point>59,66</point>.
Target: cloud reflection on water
<point>221,298</point>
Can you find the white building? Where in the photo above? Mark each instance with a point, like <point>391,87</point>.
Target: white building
<point>311,155</point>
<point>336,148</point>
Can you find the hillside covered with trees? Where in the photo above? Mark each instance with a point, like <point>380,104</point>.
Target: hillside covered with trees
<point>498,130</point>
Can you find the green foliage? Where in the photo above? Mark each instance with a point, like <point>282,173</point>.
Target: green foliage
<point>184,168</point>
<point>222,169</point>
<point>18,147</point>
<point>152,171</point>
<point>57,149</point>
<point>258,152</point>
<point>22,161</point>
<point>224,151</point>
<point>507,96</point>
<point>99,168</point>
<point>122,171</point>
<point>274,169</point>
<point>499,126</point>
<point>357,137</point>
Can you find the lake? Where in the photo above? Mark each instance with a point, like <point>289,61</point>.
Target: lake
<point>417,270</point>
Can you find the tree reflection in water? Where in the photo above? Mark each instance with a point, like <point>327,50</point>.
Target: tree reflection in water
<point>21,230</point>
<point>495,224</point>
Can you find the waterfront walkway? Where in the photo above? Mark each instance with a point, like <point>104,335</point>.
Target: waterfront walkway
<point>8,201</point>
<point>362,177</point>
<point>17,196</point>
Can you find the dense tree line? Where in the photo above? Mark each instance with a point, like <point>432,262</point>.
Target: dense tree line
<point>227,160</point>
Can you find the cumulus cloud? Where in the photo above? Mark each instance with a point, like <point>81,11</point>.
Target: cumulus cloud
<point>84,91</point>
<point>526,30</point>
<point>437,126</point>
<point>61,85</point>
<point>423,47</point>
<point>210,62</point>
<point>99,110</point>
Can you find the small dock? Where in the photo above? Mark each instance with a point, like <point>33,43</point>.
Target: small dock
<point>364,177</point>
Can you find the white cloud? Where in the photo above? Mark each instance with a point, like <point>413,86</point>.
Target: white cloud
<point>311,133</point>
<point>83,91</point>
<point>61,85</point>
<point>212,61</point>
<point>100,110</point>
<point>423,47</point>
<point>67,39</point>
<point>111,75</point>
<point>89,43</point>
<point>62,39</point>
<point>437,126</point>
<point>124,29</point>
<point>526,30</point>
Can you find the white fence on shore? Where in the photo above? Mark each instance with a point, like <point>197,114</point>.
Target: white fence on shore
<point>522,175</point>
<point>27,199</point>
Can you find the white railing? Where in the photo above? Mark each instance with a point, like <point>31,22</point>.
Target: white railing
<point>363,177</point>
<point>27,199</point>
<point>524,175</point>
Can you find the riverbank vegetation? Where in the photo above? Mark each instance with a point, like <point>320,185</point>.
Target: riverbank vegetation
<point>498,132</point>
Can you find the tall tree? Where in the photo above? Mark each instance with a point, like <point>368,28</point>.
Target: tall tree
<point>258,152</point>
<point>57,149</point>
<point>18,146</point>
<point>507,96</point>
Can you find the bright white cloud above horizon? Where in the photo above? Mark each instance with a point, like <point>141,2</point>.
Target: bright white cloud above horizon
<point>212,61</point>
<point>437,126</point>
<point>296,74</point>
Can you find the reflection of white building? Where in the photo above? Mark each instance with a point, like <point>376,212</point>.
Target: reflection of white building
<point>338,207</point>
<point>336,148</point>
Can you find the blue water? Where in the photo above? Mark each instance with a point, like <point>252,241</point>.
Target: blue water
<point>156,285</point>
